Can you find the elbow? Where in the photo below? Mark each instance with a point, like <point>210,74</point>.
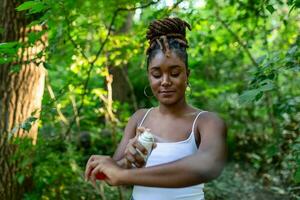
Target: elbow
<point>210,173</point>
<point>215,173</point>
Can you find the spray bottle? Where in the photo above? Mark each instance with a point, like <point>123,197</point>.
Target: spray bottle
<point>146,139</point>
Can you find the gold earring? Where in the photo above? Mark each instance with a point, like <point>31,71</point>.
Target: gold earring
<point>145,92</point>
<point>189,89</point>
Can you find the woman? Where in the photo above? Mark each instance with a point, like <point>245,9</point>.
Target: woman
<point>190,144</point>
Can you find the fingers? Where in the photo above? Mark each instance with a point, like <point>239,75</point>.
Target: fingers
<point>91,164</point>
<point>95,171</point>
<point>130,158</point>
<point>130,143</point>
<point>88,167</point>
<point>140,130</point>
<point>134,157</point>
<point>140,147</point>
<point>134,149</point>
<point>135,163</point>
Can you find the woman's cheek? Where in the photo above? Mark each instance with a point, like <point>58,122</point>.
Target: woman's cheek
<point>154,86</point>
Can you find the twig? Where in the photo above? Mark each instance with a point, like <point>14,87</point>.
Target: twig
<point>73,100</point>
<point>237,39</point>
<point>52,95</point>
<point>176,4</point>
<point>111,25</point>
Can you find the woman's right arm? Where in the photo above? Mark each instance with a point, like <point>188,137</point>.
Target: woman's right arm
<point>126,154</point>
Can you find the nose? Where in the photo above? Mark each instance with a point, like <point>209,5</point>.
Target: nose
<point>166,80</point>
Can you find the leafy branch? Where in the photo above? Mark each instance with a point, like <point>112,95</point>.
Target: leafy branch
<point>237,38</point>
<point>92,63</point>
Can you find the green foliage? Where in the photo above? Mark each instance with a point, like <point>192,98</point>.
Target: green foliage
<point>235,183</point>
<point>244,61</point>
<point>8,51</point>
<point>54,171</point>
<point>270,8</point>
<point>32,6</point>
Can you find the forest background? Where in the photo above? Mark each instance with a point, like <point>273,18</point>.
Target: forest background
<point>73,71</point>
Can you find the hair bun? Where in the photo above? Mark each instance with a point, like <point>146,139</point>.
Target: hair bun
<point>170,27</point>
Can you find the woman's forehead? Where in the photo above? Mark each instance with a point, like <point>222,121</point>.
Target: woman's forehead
<point>161,60</point>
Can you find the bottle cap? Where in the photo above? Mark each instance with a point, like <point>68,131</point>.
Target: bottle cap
<point>147,136</point>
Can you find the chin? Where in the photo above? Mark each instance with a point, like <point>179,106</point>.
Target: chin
<point>168,101</point>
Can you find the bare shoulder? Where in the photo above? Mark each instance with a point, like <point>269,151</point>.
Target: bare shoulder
<point>139,114</point>
<point>213,122</point>
<point>135,119</point>
<point>132,124</point>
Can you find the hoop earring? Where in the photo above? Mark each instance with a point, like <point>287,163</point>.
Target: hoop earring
<point>145,92</point>
<point>189,89</point>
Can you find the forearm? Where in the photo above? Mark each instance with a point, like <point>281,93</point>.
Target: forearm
<point>182,173</point>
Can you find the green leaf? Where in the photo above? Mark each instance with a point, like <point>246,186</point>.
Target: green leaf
<point>270,8</point>
<point>34,6</point>
<point>292,50</point>
<point>26,126</point>
<point>7,45</point>
<point>6,60</point>
<point>260,59</point>
<point>21,179</point>
<point>267,87</point>
<point>32,37</point>
<point>290,2</point>
<point>296,147</point>
<point>248,96</point>
<point>37,8</point>
<point>27,5</point>
<point>15,69</point>
<point>26,162</point>
<point>31,119</point>
<point>258,96</point>
<point>34,112</point>
<point>28,123</point>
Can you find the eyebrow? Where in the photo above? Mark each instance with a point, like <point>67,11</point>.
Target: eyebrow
<point>171,66</point>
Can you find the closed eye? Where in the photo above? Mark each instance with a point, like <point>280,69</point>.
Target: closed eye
<point>175,74</point>
<point>156,75</point>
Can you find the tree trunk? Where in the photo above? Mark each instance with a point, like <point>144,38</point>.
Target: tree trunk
<point>122,87</point>
<point>20,92</point>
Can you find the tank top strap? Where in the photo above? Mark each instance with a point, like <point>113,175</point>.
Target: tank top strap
<point>145,116</point>
<point>197,118</point>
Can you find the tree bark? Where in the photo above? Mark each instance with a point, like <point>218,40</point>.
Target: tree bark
<point>122,87</point>
<point>20,92</point>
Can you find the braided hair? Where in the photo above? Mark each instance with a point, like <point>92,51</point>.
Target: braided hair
<point>165,35</point>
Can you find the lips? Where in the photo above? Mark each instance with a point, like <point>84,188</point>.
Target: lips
<point>166,91</point>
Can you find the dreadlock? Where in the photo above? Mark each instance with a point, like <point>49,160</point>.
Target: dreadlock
<point>167,34</point>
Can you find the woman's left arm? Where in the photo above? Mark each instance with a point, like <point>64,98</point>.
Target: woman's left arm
<point>200,167</point>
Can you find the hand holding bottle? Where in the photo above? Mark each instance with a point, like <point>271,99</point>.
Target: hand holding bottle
<point>138,149</point>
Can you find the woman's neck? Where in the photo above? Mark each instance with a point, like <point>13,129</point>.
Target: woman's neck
<point>174,109</point>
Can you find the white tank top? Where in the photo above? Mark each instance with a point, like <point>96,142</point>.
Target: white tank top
<point>165,153</point>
